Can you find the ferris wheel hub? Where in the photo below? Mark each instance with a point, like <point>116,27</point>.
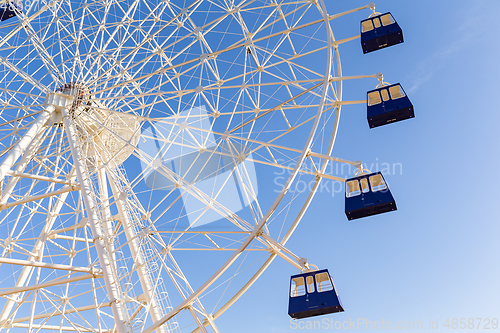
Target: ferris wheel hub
<point>80,91</point>
<point>107,136</point>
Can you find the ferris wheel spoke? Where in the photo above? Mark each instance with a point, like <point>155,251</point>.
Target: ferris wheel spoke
<point>156,50</point>
<point>17,322</point>
<point>293,66</point>
<point>21,146</point>
<point>27,156</point>
<point>73,34</point>
<point>17,175</point>
<point>75,326</point>
<point>42,53</point>
<point>13,101</point>
<point>197,319</point>
<point>179,275</point>
<point>208,200</point>
<point>15,120</point>
<point>109,40</point>
<point>24,75</point>
<point>245,180</point>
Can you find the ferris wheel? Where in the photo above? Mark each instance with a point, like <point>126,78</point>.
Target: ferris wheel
<point>141,143</point>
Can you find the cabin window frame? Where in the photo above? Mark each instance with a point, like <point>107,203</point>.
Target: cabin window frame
<point>365,187</point>
<point>377,183</point>
<point>355,192</point>
<point>374,98</point>
<point>310,283</point>
<point>391,19</point>
<point>385,95</point>
<point>300,289</point>
<point>323,285</point>
<point>369,26</point>
<point>400,92</point>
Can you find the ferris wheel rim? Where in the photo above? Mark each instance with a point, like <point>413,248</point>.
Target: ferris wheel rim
<point>304,151</point>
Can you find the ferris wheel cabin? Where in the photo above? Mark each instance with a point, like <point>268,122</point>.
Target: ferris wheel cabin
<point>313,294</point>
<point>367,195</point>
<point>7,10</point>
<point>388,104</point>
<point>380,31</point>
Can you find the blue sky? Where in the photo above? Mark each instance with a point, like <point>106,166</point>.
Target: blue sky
<point>437,257</point>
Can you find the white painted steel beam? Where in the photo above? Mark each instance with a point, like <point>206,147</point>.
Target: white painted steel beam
<point>44,178</point>
<point>281,251</point>
<point>51,283</point>
<point>137,254</point>
<point>39,197</point>
<point>21,166</point>
<point>71,238</point>
<point>353,77</point>
<point>66,311</point>
<point>112,285</point>
<point>197,319</point>
<point>23,144</point>
<point>334,16</point>
<point>89,270</point>
<point>55,328</point>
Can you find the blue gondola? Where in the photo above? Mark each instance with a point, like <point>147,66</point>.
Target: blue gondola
<point>7,10</point>
<point>313,294</point>
<point>367,195</point>
<point>388,104</point>
<point>380,31</point>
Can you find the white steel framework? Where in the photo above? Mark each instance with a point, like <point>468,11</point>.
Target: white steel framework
<point>114,117</point>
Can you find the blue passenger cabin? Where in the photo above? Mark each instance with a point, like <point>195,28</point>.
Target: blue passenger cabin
<point>380,31</point>
<point>367,195</point>
<point>313,294</point>
<point>388,104</point>
<point>7,9</point>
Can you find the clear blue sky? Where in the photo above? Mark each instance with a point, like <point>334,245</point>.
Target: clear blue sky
<point>437,257</point>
